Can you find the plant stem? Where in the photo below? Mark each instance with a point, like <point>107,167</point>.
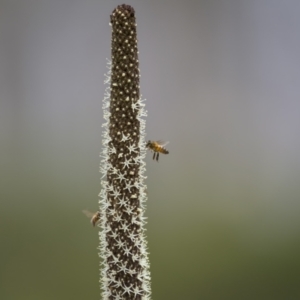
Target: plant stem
<point>125,271</point>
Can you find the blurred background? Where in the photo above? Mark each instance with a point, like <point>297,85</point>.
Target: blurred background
<point>221,79</point>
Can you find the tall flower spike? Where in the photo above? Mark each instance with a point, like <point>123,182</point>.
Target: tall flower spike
<point>125,266</point>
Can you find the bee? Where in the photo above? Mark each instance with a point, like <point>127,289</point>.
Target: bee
<point>95,217</point>
<point>157,147</point>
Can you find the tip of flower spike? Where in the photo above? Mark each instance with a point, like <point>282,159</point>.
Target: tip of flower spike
<point>123,10</point>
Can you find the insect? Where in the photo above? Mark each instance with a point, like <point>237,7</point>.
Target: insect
<point>95,217</point>
<point>157,147</point>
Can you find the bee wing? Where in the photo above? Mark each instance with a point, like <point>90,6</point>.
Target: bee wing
<point>162,143</point>
<point>88,213</point>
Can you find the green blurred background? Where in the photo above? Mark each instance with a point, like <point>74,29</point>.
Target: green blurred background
<point>221,80</point>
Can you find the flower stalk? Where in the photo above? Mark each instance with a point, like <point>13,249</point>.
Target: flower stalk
<point>123,248</point>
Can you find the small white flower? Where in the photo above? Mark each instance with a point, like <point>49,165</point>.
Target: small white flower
<point>111,211</point>
<point>118,218</point>
<point>114,235</point>
<point>121,176</point>
<point>132,236</point>
<point>128,186</point>
<point>125,227</point>
<point>125,137</point>
<point>122,201</point>
<point>116,193</point>
<point>127,290</point>
<point>135,106</point>
<point>137,291</point>
<point>129,210</point>
<point>120,244</point>
<point>126,163</point>
<point>132,148</point>
<point>127,251</point>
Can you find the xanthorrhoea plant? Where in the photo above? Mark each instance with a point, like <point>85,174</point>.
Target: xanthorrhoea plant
<point>123,250</point>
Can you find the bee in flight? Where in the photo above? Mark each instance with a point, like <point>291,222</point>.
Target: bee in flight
<point>95,217</point>
<point>157,147</point>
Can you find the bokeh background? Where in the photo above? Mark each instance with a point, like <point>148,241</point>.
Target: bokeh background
<point>221,80</point>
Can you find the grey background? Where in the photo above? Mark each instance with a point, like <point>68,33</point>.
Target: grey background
<point>221,80</point>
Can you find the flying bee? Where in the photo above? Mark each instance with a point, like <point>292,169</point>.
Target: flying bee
<point>157,147</point>
<point>95,217</point>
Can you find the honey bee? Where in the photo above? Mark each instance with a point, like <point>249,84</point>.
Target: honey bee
<point>157,147</point>
<point>95,217</point>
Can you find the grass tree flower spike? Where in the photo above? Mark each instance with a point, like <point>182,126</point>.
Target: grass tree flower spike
<point>123,249</point>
